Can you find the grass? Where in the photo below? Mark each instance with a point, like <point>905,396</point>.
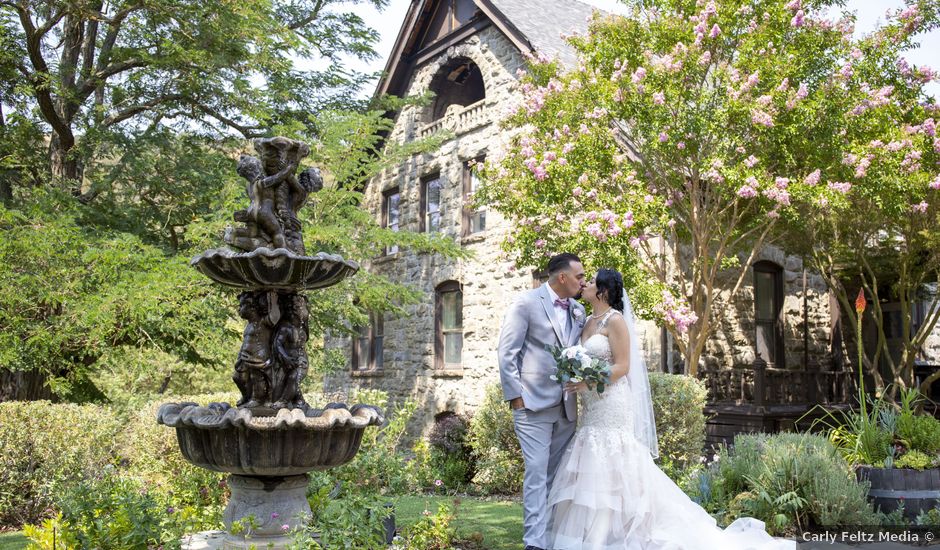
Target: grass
<point>12,541</point>
<point>498,521</point>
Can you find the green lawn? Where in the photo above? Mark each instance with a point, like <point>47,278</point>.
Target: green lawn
<point>500,522</point>
<point>12,541</point>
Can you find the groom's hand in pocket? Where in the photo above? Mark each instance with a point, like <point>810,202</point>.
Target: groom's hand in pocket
<point>516,403</point>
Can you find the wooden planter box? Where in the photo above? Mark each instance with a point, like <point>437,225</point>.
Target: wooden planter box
<point>919,490</point>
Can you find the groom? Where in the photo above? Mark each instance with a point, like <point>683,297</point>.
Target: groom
<point>544,421</point>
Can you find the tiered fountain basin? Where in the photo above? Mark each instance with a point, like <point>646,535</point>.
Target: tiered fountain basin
<point>283,443</point>
<point>277,268</point>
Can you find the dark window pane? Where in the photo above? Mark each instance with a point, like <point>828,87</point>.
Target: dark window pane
<point>393,201</point>
<point>764,295</point>
<point>478,222</point>
<point>765,342</point>
<point>452,304</point>
<point>363,353</point>
<point>379,359</point>
<point>453,344</point>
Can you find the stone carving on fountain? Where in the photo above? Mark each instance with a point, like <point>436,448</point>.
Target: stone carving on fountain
<point>271,438</point>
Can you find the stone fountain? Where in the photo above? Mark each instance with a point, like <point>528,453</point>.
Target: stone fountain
<point>271,438</point>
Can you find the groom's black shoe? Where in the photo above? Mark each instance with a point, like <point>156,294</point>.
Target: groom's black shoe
<point>532,548</point>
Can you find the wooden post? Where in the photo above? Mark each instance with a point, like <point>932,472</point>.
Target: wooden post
<point>760,371</point>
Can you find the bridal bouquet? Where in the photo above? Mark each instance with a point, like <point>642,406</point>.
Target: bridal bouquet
<point>575,365</point>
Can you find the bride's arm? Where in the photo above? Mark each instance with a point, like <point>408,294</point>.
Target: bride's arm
<point>619,339</point>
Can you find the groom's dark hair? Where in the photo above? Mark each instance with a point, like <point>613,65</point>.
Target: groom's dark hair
<point>560,262</point>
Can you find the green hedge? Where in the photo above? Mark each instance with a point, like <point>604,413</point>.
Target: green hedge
<point>46,446</point>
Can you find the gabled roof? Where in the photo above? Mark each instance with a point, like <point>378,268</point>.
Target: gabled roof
<point>532,26</point>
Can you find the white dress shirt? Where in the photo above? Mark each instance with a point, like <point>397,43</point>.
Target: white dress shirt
<point>561,314</point>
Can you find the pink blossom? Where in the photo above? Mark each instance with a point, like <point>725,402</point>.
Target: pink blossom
<point>840,186</point>
<point>285,527</point>
<point>659,98</point>
<point>567,148</point>
<point>784,85</point>
<point>540,173</point>
<point>822,202</point>
<point>794,5</point>
<point>812,178</point>
<point>681,145</point>
<point>782,183</point>
<point>540,243</point>
<point>920,208</point>
<point>753,79</point>
<point>583,179</point>
<point>671,223</point>
<point>764,100</point>
<point>797,20</point>
<point>706,58</point>
<point>663,137</point>
<point>750,161</point>
<point>550,156</point>
<point>648,199</point>
<point>846,71</point>
<point>773,214</point>
<point>856,53</point>
<point>747,192</point>
<point>638,75</point>
<point>562,161</point>
<point>716,30</point>
<point>861,168</point>
<point>592,194</point>
<point>762,118</point>
<point>935,184</point>
<point>628,220</point>
<point>802,92</point>
<point>929,127</point>
<point>676,312</point>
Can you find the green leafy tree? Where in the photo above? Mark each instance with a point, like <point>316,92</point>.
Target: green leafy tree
<point>97,71</point>
<point>687,131</point>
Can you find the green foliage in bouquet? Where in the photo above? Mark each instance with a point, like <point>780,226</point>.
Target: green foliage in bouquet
<point>575,365</point>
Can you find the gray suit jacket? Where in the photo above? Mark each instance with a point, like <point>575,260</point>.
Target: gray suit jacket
<point>524,363</point>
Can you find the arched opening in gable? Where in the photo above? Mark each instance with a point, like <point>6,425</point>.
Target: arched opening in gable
<point>459,83</point>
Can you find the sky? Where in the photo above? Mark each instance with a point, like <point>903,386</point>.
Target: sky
<point>869,12</point>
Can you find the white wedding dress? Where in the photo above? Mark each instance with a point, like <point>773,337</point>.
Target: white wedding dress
<point>608,494</point>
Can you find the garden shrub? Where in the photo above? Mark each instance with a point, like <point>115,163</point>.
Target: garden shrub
<point>678,403</point>
<point>43,447</point>
<point>109,511</point>
<point>451,459</point>
<point>494,447</point>
<point>149,453</point>
<point>354,522</point>
<point>379,466</point>
<point>430,532</point>
<point>789,481</point>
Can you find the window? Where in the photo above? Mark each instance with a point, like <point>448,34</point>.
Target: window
<point>368,345</point>
<point>474,221</point>
<point>768,302</point>
<point>391,216</point>
<point>448,324</point>
<point>431,204</point>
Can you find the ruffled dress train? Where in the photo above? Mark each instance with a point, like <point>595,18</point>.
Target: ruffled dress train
<point>608,494</point>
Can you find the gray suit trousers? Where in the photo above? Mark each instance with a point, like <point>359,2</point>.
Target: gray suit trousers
<point>543,436</point>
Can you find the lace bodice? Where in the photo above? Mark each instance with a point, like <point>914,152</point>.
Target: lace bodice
<point>612,409</point>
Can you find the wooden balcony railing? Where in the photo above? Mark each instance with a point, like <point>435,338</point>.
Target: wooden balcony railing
<point>763,385</point>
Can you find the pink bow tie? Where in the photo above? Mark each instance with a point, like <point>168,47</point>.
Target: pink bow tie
<point>561,303</point>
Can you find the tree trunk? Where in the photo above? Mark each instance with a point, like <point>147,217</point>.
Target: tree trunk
<point>62,162</point>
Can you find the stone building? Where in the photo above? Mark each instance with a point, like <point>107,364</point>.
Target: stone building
<point>443,353</point>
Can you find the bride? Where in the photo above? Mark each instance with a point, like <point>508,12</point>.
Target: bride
<point>608,494</point>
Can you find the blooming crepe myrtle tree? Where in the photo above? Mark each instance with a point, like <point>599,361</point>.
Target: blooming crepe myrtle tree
<point>874,225</point>
<point>687,131</point>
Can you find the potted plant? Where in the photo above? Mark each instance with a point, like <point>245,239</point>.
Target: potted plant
<point>894,449</point>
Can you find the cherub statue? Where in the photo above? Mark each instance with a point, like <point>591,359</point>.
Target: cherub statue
<point>273,190</point>
<point>254,366</point>
<point>290,352</point>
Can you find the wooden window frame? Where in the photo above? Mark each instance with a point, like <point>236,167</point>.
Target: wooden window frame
<point>444,288</point>
<point>386,196</point>
<point>776,322</point>
<point>375,336</point>
<point>468,214</point>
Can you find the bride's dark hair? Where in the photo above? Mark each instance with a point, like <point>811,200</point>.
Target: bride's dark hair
<point>610,284</point>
